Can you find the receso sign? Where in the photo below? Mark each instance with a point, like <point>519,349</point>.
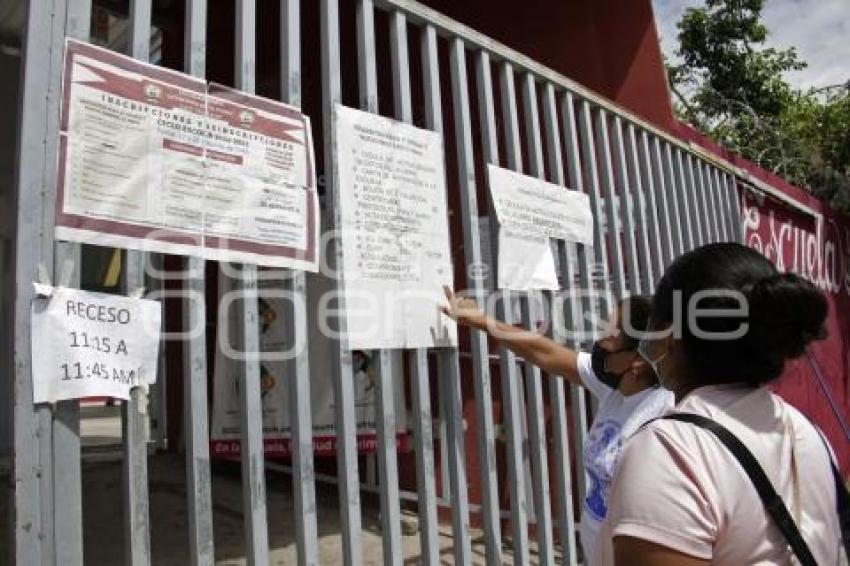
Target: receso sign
<point>92,345</point>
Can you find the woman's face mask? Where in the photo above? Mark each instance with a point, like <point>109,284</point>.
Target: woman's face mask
<point>644,347</point>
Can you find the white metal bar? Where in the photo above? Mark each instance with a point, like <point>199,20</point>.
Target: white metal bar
<point>711,201</point>
<point>35,198</point>
<point>697,218</point>
<point>511,379</point>
<point>532,314</point>
<point>478,339</point>
<point>195,413</point>
<point>665,208</point>
<point>654,220</point>
<point>450,392</point>
<point>423,421</point>
<point>723,206</point>
<point>643,223</point>
<point>298,366</point>
<point>390,507</point>
<point>735,199</point>
<point>66,473</point>
<point>385,425</point>
<point>615,246</point>
<point>366,71</point>
<point>349,493</point>
<point>252,450</point>
<point>629,204</point>
<point>601,256</point>
<point>704,196</point>
<point>587,316</point>
<point>672,192</point>
<point>66,470</point>
<point>683,197</point>
<point>425,470</point>
<point>134,412</point>
<point>557,396</point>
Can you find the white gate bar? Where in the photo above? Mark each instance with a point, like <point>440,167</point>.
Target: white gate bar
<point>346,449</point>
<point>133,412</point>
<point>36,195</point>
<point>673,198</point>
<point>532,314</point>
<point>629,205</point>
<point>586,316</point>
<point>702,201</point>
<point>478,339</point>
<point>66,470</point>
<point>298,367</point>
<point>714,191</point>
<point>452,398</point>
<point>592,173</point>
<point>725,206</point>
<point>66,473</point>
<point>684,195</point>
<point>615,243</point>
<point>644,226</point>
<point>423,418</point>
<point>367,77</point>
<point>195,412</point>
<point>654,221</point>
<point>387,452</point>
<point>711,202</point>
<point>697,212</point>
<point>665,208</point>
<point>704,196</point>
<point>511,379</point>
<point>557,396</point>
<point>252,451</point>
<point>734,198</point>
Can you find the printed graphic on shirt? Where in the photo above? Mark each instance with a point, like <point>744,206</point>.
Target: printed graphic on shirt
<point>604,442</point>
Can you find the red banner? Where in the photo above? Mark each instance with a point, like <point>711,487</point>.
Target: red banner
<point>817,247</point>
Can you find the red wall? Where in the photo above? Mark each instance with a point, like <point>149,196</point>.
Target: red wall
<point>608,46</point>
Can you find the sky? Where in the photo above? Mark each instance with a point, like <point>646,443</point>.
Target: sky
<point>819,29</point>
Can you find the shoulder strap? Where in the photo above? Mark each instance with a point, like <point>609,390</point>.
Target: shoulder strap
<point>842,498</point>
<point>772,502</point>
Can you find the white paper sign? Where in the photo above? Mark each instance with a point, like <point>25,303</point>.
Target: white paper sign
<point>395,234</point>
<point>531,213</point>
<point>92,345</point>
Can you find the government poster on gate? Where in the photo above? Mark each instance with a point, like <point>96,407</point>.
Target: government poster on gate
<point>155,160</point>
<point>275,386</point>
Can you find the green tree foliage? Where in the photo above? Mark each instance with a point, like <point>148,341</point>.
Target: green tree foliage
<point>733,89</point>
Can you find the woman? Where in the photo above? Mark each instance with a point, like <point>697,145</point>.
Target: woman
<point>680,496</point>
<point>621,380</point>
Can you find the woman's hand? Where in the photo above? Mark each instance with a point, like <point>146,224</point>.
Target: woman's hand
<point>463,310</point>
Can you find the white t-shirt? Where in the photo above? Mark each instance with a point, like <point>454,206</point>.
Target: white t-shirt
<point>679,487</point>
<point>618,417</point>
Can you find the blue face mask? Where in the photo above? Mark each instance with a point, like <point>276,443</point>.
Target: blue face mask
<point>643,352</point>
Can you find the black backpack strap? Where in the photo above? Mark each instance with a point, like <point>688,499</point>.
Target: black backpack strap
<point>842,498</point>
<point>772,502</point>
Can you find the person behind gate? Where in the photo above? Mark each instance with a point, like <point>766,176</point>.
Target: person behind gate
<point>613,372</point>
<point>681,495</point>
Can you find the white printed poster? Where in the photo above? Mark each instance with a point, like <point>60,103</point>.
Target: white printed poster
<point>275,387</point>
<point>88,344</point>
<point>395,234</point>
<point>156,160</point>
<point>531,213</point>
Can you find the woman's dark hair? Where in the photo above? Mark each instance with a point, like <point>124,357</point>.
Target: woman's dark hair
<point>634,318</point>
<point>785,313</point>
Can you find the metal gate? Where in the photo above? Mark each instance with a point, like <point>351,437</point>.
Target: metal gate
<point>653,198</point>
